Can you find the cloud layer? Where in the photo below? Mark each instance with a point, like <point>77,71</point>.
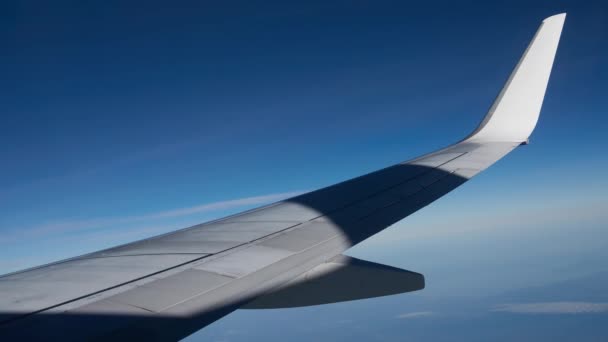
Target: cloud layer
<point>553,308</point>
<point>417,314</point>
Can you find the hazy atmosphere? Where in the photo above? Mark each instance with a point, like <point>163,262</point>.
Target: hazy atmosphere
<point>123,120</point>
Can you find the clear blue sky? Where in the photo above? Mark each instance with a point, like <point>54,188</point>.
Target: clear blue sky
<point>122,120</point>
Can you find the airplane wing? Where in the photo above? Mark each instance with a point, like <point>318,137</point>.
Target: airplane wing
<point>286,254</point>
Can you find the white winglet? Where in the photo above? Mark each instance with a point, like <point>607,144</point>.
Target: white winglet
<point>515,111</point>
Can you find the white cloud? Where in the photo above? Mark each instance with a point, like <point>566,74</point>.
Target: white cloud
<point>222,205</point>
<point>66,226</point>
<point>418,314</point>
<point>553,308</point>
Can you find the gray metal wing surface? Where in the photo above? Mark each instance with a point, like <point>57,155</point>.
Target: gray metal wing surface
<point>169,286</point>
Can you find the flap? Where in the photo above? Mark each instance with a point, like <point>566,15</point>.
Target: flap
<point>339,280</point>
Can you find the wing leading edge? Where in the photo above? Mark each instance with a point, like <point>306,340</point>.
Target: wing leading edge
<point>169,286</point>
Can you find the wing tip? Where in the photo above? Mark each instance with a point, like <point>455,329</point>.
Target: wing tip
<point>514,113</point>
<point>556,17</point>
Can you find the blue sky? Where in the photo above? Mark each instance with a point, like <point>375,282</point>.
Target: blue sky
<point>122,120</point>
